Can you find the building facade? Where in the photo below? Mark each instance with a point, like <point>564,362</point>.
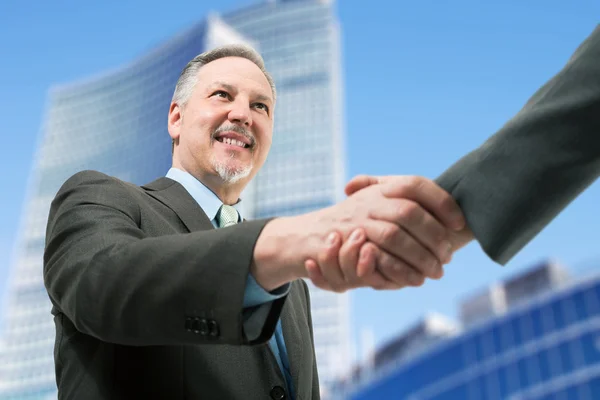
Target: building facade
<point>116,123</point>
<point>544,346</point>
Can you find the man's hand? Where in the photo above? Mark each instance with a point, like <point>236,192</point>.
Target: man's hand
<point>353,264</point>
<point>353,261</point>
<point>458,237</point>
<point>406,222</point>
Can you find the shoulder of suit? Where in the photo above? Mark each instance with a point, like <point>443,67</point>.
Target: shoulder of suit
<point>91,177</point>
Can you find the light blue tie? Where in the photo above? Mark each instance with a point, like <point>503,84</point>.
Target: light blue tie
<point>227,216</point>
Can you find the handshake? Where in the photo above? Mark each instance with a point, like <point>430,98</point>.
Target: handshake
<point>390,232</point>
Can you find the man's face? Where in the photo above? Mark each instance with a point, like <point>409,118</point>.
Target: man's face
<point>225,129</point>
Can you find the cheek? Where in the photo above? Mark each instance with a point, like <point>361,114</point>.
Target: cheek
<point>266,137</point>
<point>199,126</point>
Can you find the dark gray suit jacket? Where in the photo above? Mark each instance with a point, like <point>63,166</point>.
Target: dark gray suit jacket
<point>147,299</point>
<point>527,173</point>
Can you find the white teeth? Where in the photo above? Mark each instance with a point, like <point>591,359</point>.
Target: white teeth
<point>234,142</point>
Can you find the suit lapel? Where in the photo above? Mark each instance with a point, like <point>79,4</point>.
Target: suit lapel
<point>294,324</point>
<point>174,196</point>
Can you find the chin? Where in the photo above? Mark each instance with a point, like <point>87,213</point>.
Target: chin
<point>232,172</point>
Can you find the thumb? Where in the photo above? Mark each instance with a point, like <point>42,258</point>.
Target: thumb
<point>360,182</point>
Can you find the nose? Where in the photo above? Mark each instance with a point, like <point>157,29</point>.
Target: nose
<point>240,113</point>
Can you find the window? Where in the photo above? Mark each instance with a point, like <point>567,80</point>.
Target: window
<point>503,386</point>
<point>476,389</point>
<point>544,364</point>
<point>574,308</point>
<point>591,301</point>
<point>594,388</point>
<point>590,350</point>
<point>513,380</point>
<point>558,315</point>
<point>565,354</point>
<point>516,333</point>
<point>502,337</point>
<point>537,326</point>
<point>533,371</point>
<point>488,344</point>
<point>576,353</point>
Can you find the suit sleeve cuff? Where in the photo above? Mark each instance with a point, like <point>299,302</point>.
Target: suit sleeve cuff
<point>258,305</point>
<point>255,295</point>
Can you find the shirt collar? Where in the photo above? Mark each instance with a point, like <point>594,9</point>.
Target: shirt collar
<point>206,198</point>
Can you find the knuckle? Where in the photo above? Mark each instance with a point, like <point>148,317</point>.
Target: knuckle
<point>379,282</point>
<point>387,265</point>
<point>349,250</point>
<point>414,278</point>
<point>408,211</point>
<point>390,233</point>
<point>414,181</point>
<point>447,202</point>
<point>412,184</point>
<point>440,234</point>
<point>419,281</point>
<point>337,287</point>
<point>327,258</point>
<point>425,260</point>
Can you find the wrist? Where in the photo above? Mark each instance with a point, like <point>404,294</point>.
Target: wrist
<point>278,256</point>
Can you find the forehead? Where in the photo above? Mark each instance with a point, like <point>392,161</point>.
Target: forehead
<point>235,71</point>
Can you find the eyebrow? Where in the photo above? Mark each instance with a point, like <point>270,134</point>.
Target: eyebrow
<point>224,85</point>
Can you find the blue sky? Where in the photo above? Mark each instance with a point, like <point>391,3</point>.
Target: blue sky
<point>424,81</point>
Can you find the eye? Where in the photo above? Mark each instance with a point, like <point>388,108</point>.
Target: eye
<point>221,93</point>
<point>262,106</point>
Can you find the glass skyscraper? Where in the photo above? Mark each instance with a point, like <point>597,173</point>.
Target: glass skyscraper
<point>117,123</point>
<point>545,346</point>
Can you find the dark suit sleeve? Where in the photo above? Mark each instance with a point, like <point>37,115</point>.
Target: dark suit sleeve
<point>120,286</point>
<point>541,160</point>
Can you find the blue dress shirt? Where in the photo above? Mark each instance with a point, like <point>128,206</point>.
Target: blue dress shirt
<point>254,294</point>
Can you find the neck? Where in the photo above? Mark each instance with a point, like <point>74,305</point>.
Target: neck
<point>228,193</point>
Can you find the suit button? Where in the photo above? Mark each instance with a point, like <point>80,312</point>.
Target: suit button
<point>203,329</point>
<point>213,328</point>
<point>277,393</point>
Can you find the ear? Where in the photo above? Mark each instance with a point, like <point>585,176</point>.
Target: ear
<point>174,121</point>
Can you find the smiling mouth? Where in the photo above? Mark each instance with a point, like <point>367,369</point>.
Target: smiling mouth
<point>232,142</point>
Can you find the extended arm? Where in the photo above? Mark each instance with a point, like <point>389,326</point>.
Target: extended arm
<point>521,178</point>
<point>121,286</point>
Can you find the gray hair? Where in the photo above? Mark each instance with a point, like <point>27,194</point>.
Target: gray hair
<point>189,76</point>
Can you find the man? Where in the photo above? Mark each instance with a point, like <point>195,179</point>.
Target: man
<point>152,302</point>
<point>522,177</point>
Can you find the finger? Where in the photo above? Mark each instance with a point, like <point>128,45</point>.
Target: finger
<point>328,263</point>
<point>398,242</point>
<point>349,255</point>
<point>367,269</point>
<point>398,271</point>
<point>420,224</point>
<point>426,193</point>
<point>360,182</point>
<point>314,274</point>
